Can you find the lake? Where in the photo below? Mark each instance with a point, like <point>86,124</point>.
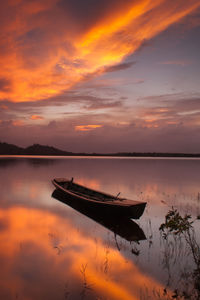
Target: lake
<point>50,250</point>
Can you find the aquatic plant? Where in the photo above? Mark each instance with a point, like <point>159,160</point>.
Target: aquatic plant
<point>178,227</point>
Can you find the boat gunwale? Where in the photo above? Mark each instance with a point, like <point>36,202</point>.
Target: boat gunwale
<point>112,202</point>
<point>96,191</point>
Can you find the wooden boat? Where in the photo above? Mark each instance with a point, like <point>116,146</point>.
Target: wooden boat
<point>104,202</point>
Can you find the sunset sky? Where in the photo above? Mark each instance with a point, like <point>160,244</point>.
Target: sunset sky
<point>101,76</point>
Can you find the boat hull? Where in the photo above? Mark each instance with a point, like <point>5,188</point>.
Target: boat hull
<point>108,208</point>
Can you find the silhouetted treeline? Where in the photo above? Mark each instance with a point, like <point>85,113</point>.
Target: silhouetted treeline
<point>36,149</point>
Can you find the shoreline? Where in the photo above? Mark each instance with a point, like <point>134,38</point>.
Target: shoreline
<point>98,156</point>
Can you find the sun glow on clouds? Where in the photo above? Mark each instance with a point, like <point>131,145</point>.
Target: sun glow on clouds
<point>36,117</point>
<point>87,127</point>
<point>4,107</point>
<point>43,54</point>
<point>17,123</point>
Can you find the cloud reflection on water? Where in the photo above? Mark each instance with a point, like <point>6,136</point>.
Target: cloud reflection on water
<point>43,251</point>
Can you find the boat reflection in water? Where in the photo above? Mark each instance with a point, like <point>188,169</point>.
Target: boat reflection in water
<point>122,226</point>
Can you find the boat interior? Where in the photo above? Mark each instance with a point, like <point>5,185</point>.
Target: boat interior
<point>89,193</point>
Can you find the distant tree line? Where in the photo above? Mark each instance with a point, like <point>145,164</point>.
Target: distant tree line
<point>36,149</point>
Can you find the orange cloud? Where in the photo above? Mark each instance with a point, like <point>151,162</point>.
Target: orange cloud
<point>124,123</point>
<point>18,123</point>
<point>36,117</point>
<point>44,53</point>
<point>87,127</point>
<point>163,110</point>
<point>172,122</point>
<point>150,120</point>
<point>4,107</point>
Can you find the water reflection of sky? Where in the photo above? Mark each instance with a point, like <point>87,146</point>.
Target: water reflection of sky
<point>50,251</point>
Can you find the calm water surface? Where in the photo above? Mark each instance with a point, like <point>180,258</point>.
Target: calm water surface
<point>51,251</point>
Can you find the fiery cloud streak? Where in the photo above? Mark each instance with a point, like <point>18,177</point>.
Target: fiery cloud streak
<point>86,127</point>
<point>36,117</point>
<point>43,55</point>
